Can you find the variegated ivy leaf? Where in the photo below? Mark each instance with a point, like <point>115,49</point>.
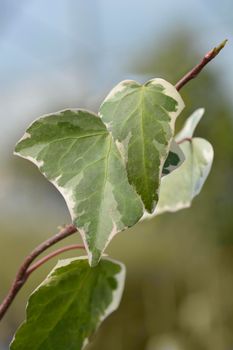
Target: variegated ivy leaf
<point>179,188</point>
<point>74,151</point>
<point>65,310</point>
<point>141,119</point>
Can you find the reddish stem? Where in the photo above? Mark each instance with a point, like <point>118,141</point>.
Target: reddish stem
<point>21,275</point>
<point>52,255</point>
<point>184,139</point>
<point>198,68</point>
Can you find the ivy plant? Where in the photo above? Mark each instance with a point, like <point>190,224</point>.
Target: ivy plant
<point>113,169</point>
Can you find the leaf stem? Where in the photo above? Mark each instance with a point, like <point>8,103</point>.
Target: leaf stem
<point>52,255</point>
<point>198,68</point>
<point>184,139</point>
<point>23,274</point>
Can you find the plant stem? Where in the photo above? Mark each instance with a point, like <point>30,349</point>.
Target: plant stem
<point>185,139</point>
<point>52,255</point>
<point>198,68</point>
<point>21,275</point>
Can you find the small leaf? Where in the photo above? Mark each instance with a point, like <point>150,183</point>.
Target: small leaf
<point>141,119</point>
<point>66,309</point>
<point>74,151</point>
<point>180,187</point>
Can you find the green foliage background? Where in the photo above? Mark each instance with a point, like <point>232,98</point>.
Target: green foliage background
<point>179,283</point>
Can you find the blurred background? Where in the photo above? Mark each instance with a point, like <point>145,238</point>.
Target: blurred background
<point>59,54</point>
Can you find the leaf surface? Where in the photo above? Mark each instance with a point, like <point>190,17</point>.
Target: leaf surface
<point>74,151</point>
<point>180,187</point>
<point>66,309</point>
<point>141,119</point>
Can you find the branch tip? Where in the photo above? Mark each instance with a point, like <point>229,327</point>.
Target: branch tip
<point>215,51</point>
<point>221,46</point>
<point>198,68</point>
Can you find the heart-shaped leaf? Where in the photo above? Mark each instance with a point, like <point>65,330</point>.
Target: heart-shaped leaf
<point>74,151</point>
<point>65,310</point>
<point>141,119</point>
<point>180,187</point>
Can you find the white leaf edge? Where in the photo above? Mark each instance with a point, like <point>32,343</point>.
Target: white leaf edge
<point>190,125</point>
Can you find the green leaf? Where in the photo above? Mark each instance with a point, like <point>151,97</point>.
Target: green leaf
<point>180,187</point>
<point>141,119</point>
<point>65,310</point>
<point>74,151</point>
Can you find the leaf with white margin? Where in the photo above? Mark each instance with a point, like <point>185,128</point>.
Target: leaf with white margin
<point>75,152</point>
<point>176,156</point>
<point>180,187</point>
<point>141,119</point>
<point>174,159</point>
<point>67,308</point>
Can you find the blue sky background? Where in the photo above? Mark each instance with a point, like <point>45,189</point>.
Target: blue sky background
<point>68,53</point>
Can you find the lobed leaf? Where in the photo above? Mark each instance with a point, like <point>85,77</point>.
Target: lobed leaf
<point>141,119</point>
<point>75,152</point>
<point>65,310</point>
